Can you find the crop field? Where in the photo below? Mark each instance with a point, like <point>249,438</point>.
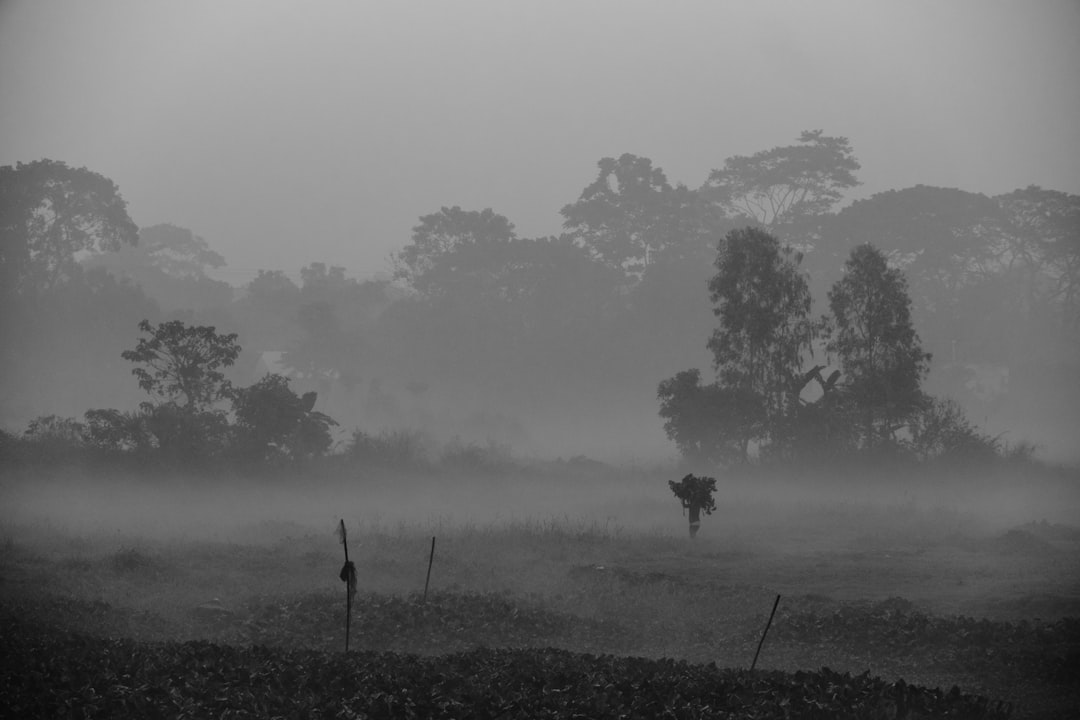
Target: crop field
<point>553,593</point>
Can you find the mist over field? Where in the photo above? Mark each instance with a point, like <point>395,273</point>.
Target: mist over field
<point>582,334</point>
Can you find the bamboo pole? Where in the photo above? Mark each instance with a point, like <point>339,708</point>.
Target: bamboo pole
<point>764,633</point>
<point>431,559</point>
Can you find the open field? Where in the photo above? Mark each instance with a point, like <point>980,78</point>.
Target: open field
<point>940,584</point>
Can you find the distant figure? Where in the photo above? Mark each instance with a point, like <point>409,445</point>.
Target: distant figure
<point>695,494</point>
<point>695,516</point>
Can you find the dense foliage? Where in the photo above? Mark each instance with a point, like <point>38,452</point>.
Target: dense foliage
<point>878,348</point>
<point>50,214</point>
<point>695,491</point>
<point>48,671</point>
<point>764,332</point>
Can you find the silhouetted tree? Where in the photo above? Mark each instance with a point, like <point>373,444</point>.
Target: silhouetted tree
<point>1041,251</point>
<point>879,350</point>
<point>170,263</point>
<point>49,214</point>
<point>779,186</point>
<point>184,363</point>
<point>948,243</point>
<point>428,264</point>
<point>630,214</point>
<point>709,424</point>
<point>273,420</point>
<point>765,332</point>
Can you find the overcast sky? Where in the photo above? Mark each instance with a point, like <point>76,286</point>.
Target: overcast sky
<point>292,132</point>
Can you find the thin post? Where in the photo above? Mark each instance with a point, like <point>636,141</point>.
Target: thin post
<point>764,633</point>
<point>348,576</point>
<point>431,559</point>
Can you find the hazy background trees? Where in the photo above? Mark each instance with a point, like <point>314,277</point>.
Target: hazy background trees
<point>62,326</point>
<point>559,344</point>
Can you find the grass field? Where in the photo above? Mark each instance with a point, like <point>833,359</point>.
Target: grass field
<point>970,583</point>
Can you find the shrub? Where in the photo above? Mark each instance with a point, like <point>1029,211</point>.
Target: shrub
<point>56,431</point>
<point>942,431</point>
<point>472,457</point>
<point>396,448</point>
<point>114,430</point>
<point>272,421</point>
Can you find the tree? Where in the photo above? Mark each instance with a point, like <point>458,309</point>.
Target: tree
<point>320,283</point>
<point>709,424</point>
<point>49,214</point>
<point>877,345</point>
<point>779,186</point>
<point>171,264</point>
<point>176,251</point>
<point>1042,247</point>
<point>111,429</point>
<point>696,495</point>
<point>948,242</point>
<point>273,287</point>
<point>184,363</point>
<point>327,352</point>
<point>630,213</point>
<point>765,331</point>
<point>942,431</point>
<point>427,262</point>
<point>272,419</point>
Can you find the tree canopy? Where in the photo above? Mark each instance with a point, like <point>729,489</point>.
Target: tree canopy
<point>170,263</point>
<point>428,264</point>
<point>272,419</point>
<point>879,350</point>
<point>764,330</point>
<point>184,363</point>
<point>630,214</point>
<point>49,214</point>
<point>778,186</point>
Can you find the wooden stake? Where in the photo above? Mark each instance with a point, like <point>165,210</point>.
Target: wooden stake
<point>431,559</point>
<point>764,633</point>
<point>348,576</point>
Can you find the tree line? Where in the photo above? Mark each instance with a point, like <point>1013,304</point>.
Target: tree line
<point>615,302</point>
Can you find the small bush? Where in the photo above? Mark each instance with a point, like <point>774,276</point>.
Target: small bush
<point>396,448</point>
<point>1022,451</point>
<point>57,431</point>
<point>943,432</point>
<point>117,431</point>
<point>472,457</point>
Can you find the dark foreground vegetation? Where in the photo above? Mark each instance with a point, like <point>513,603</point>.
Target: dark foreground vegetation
<point>494,662</point>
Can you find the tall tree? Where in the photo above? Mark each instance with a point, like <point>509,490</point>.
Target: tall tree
<point>630,214</point>
<point>765,331</point>
<point>176,251</point>
<point>1042,249</point>
<point>427,262</point>
<point>708,423</point>
<point>873,336</point>
<point>947,242</point>
<point>184,363</point>
<point>49,214</point>
<point>779,186</point>
<point>171,264</point>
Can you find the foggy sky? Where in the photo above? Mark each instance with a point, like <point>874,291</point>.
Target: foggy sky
<point>287,132</point>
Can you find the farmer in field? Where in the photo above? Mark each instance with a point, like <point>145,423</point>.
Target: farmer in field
<point>695,494</point>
